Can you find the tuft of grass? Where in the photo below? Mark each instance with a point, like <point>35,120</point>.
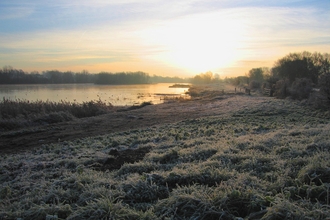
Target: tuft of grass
<point>143,104</point>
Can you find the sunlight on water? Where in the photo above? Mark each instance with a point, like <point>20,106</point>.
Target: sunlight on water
<point>115,94</point>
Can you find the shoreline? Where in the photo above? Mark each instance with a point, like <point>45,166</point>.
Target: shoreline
<point>211,102</point>
<point>122,119</point>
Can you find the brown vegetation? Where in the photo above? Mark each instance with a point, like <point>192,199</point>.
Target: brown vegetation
<point>23,113</point>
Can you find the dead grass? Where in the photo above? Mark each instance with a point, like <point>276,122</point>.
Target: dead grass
<point>23,113</point>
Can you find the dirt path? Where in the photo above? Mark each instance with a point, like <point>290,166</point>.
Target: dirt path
<point>18,141</point>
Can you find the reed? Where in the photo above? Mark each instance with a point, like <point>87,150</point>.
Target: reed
<point>18,113</point>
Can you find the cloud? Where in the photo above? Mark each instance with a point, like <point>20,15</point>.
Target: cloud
<point>15,12</point>
<point>186,34</point>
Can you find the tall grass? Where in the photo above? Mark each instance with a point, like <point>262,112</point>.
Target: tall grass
<point>19,113</point>
<point>267,160</point>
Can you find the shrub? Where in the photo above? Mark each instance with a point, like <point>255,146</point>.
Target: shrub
<point>254,85</point>
<point>88,109</point>
<point>324,84</point>
<point>301,88</point>
<point>281,89</point>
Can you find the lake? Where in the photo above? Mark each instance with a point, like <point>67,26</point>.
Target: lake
<point>118,95</point>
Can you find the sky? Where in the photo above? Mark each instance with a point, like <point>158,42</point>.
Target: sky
<point>160,37</point>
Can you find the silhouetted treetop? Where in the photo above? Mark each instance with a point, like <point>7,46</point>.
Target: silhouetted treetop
<point>9,75</point>
<point>122,78</point>
<point>205,78</point>
<point>301,65</point>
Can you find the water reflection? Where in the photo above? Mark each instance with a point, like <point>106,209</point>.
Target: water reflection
<point>115,94</point>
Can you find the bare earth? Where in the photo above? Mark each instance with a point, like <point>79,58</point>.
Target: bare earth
<point>18,141</point>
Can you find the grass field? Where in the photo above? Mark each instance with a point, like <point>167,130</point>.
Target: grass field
<point>266,159</point>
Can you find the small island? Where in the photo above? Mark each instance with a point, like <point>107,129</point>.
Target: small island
<point>179,86</point>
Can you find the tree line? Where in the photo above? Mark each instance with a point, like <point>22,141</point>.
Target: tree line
<point>9,75</point>
<point>300,76</point>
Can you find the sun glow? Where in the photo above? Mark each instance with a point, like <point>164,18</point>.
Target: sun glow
<point>199,43</point>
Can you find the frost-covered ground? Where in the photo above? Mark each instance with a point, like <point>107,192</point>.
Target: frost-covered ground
<point>259,158</point>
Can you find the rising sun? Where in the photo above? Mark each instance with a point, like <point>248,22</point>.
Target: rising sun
<point>199,43</point>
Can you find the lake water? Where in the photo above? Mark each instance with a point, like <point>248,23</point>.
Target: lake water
<point>118,95</point>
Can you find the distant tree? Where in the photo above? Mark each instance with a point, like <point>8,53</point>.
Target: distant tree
<point>241,81</point>
<point>207,77</point>
<point>9,75</point>
<point>68,77</point>
<point>256,74</point>
<point>5,75</point>
<point>54,76</point>
<point>35,77</point>
<point>203,78</point>
<point>103,78</point>
<point>122,78</point>
<point>167,79</point>
<point>82,77</point>
<point>216,77</point>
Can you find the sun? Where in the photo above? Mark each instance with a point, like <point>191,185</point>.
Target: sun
<point>199,43</point>
<point>200,54</point>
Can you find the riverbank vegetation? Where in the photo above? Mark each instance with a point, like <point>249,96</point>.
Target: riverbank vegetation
<point>15,114</point>
<point>23,113</point>
<point>263,158</point>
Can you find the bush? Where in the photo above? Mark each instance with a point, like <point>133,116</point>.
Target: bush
<point>324,84</point>
<point>281,89</point>
<point>89,109</point>
<point>254,85</point>
<point>301,88</point>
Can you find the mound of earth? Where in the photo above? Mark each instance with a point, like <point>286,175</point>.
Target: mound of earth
<point>119,158</point>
